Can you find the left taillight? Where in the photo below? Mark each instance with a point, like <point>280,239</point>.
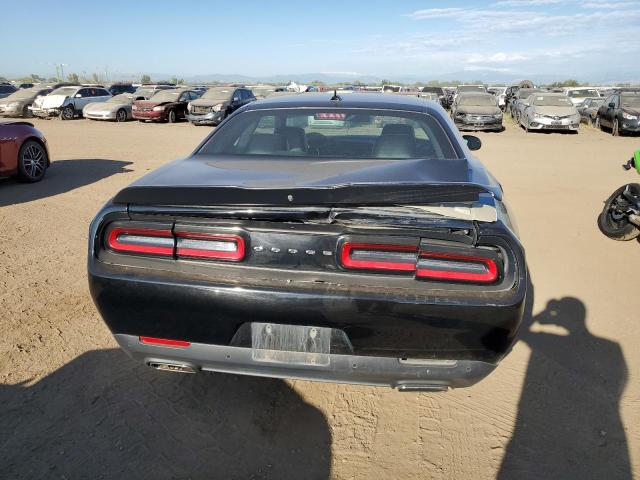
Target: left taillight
<point>141,240</point>
<point>176,242</point>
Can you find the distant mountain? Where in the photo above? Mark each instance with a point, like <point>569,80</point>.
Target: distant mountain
<point>488,76</point>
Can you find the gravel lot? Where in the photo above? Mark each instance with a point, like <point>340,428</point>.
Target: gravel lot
<point>564,404</point>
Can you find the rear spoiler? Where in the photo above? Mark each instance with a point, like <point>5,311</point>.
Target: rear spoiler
<point>340,195</point>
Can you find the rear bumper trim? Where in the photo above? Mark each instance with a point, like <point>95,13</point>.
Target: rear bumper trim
<point>353,369</point>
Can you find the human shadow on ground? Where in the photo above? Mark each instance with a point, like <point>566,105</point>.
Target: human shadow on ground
<point>569,424</point>
<point>62,176</point>
<point>104,416</point>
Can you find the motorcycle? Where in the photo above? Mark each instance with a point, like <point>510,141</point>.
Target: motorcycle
<point>620,217</point>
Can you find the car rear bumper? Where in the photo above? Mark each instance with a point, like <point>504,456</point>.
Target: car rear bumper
<point>429,375</point>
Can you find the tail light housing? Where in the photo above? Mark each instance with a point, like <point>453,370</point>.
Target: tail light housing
<point>165,241</point>
<point>440,263</point>
<point>141,240</point>
<point>210,246</point>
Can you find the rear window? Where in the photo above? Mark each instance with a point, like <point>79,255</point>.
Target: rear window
<point>332,133</point>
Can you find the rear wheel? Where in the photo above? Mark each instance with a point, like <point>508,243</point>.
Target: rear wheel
<point>68,113</point>
<point>32,162</point>
<point>121,115</point>
<point>172,117</point>
<point>26,113</point>
<point>597,124</point>
<point>613,221</point>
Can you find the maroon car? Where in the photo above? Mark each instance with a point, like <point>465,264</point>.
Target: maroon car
<point>165,105</point>
<point>23,151</point>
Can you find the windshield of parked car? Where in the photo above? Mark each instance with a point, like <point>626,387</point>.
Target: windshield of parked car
<point>471,88</point>
<point>525,92</point>
<point>26,93</point>
<point>586,92</point>
<point>551,101</point>
<point>167,96</point>
<point>630,101</point>
<point>487,100</point>
<point>144,92</point>
<point>122,98</point>
<point>66,91</point>
<point>331,134</point>
<point>217,94</point>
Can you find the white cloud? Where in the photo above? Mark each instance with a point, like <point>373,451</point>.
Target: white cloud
<point>609,5</point>
<point>526,3</point>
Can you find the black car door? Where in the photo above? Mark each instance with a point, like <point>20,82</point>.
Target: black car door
<point>181,106</point>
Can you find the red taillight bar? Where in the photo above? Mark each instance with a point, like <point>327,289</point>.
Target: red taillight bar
<point>164,342</point>
<point>390,264</point>
<point>427,265</point>
<point>142,240</point>
<point>210,245</point>
<point>459,268</point>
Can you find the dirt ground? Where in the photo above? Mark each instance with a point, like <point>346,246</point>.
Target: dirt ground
<point>564,404</point>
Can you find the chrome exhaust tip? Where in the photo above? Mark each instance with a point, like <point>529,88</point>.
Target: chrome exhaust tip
<point>422,387</point>
<point>172,367</point>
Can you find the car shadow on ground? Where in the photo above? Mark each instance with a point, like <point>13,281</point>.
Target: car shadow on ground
<point>568,424</point>
<point>105,416</point>
<point>62,176</point>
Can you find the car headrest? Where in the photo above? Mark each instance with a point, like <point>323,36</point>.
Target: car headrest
<point>398,129</point>
<point>294,136</point>
<point>394,146</point>
<point>266,143</point>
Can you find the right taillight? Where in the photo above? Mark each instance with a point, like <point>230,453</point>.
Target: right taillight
<point>376,256</point>
<point>438,264</point>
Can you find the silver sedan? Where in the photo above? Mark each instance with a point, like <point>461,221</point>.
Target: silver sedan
<point>117,108</point>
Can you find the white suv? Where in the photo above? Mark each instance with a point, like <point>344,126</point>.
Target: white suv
<point>68,102</point>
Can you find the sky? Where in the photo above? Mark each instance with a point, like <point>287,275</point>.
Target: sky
<point>389,39</point>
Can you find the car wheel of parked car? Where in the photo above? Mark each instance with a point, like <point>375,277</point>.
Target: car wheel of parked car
<point>121,115</point>
<point>171,116</point>
<point>67,113</point>
<point>32,162</point>
<point>597,124</point>
<point>615,130</point>
<point>26,112</point>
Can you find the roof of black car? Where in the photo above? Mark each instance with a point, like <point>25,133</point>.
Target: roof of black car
<point>347,100</point>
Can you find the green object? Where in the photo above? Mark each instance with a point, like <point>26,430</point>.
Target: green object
<point>636,156</point>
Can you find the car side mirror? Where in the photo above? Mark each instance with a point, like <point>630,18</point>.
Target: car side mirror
<point>473,142</point>
<point>612,105</point>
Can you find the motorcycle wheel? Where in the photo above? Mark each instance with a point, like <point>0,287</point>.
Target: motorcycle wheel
<point>616,225</point>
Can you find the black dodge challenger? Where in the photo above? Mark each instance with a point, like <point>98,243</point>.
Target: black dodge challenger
<point>351,239</point>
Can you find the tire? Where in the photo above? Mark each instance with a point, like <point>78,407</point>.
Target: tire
<point>597,124</point>
<point>614,225</point>
<point>68,113</point>
<point>172,116</point>
<point>121,115</point>
<point>26,113</point>
<point>592,122</point>
<point>32,162</point>
<point>615,129</point>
